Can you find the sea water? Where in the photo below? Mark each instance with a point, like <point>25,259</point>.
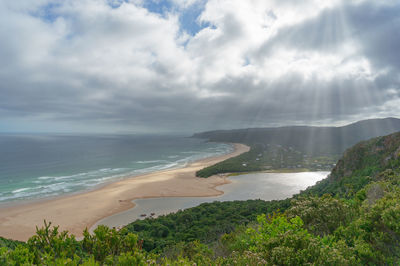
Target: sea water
<point>42,165</point>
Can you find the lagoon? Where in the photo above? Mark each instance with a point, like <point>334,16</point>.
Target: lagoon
<point>265,186</point>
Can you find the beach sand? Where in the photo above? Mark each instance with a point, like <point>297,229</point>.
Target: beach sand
<point>79,211</point>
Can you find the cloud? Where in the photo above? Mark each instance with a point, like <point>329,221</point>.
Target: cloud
<point>121,66</point>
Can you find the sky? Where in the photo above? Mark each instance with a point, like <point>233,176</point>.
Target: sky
<point>153,66</point>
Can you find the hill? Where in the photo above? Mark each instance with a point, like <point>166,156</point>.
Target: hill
<point>360,165</point>
<point>309,140</point>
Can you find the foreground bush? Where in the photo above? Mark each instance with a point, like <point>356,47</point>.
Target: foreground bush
<point>51,247</point>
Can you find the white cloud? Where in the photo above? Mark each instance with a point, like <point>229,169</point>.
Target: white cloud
<point>93,60</point>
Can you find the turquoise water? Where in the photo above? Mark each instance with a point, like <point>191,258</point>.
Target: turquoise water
<point>39,166</point>
<point>265,186</point>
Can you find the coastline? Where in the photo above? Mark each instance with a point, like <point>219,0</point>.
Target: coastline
<point>79,211</point>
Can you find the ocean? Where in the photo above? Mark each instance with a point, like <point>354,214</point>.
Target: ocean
<point>35,166</point>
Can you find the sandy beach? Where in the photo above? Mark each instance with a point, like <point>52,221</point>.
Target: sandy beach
<point>79,211</point>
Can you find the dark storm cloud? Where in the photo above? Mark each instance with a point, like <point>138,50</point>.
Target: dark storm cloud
<point>296,99</point>
<point>377,29</point>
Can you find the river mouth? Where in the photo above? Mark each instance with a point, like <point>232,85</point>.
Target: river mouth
<point>265,186</point>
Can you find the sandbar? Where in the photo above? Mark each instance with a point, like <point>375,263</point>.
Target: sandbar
<point>79,211</point>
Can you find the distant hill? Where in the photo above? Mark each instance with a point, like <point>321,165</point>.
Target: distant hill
<point>310,140</point>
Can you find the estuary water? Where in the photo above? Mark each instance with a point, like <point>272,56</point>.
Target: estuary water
<point>35,166</point>
<point>265,186</point>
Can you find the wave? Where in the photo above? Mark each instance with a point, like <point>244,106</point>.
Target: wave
<point>151,161</point>
<point>32,192</point>
<point>45,177</point>
<point>20,190</point>
<point>93,173</point>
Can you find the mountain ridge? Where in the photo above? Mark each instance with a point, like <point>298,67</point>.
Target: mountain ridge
<point>308,139</point>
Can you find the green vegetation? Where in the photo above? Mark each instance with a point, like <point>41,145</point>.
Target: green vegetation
<point>8,243</point>
<point>245,162</point>
<point>206,222</point>
<point>51,247</point>
<point>263,157</point>
<point>351,218</point>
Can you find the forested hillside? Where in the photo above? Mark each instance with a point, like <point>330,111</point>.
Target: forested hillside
<point>313,141</point>
<point>360,165</point>
<point>351,218</point>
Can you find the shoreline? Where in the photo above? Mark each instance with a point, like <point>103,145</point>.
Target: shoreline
<point>83,210</point>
